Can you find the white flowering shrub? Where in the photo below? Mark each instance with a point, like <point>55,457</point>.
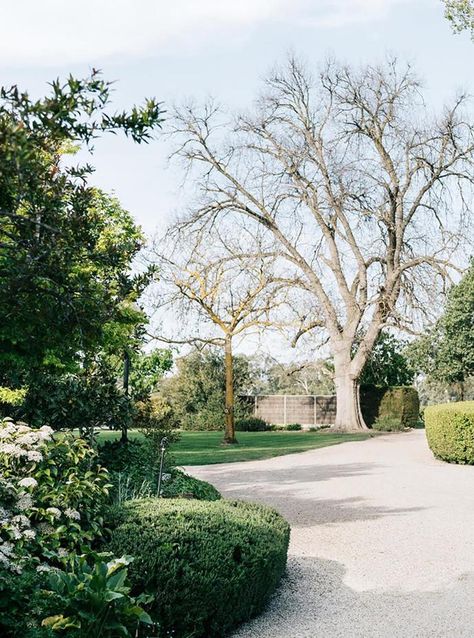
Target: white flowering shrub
<point>52,495</point>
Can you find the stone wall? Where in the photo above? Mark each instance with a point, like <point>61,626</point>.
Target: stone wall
<point>281,409</point>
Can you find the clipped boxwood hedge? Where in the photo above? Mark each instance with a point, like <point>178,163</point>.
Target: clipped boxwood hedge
<point>180,484</point>
<point>395,402</point>
<point>210,565</point>
<point>450,431</point>
<point>251,424</point>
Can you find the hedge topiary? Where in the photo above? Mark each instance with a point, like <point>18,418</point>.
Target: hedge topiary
<point>210,565</point>
<point>450,431</point>
<point>398,402</point>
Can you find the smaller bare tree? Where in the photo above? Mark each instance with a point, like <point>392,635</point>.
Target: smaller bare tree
<point>219,289</point>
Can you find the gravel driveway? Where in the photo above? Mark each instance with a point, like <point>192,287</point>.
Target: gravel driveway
<point>382,541</point>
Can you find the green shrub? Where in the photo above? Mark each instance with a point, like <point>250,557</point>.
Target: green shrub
<point>388,424</point>
<point>399,402</point>
<point>450,431</point>
<point>251,424</point>
<point>294,427</point>
<point>210,565</point>
<point>181,485</point>
<point>135,458</point>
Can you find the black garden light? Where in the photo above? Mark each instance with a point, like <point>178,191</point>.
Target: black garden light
<point>163,446</point>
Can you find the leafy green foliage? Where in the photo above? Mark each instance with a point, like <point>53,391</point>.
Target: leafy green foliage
<point>446,353</point>
<point>84,400</point>
<point>93,599</point>
<point>450,431</point>
<point>147,369</point>
<point>23,605</point>
<point>65,247</point>
<point>52,495</point>
<point>209,565</point>
<point>387,364</point>
<point>10,401</point>
<point>461,15</point>
<point>196,392</point>
<point>401,403</point>
<point>251,424</point>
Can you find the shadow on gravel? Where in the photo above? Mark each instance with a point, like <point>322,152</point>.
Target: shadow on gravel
<point>311,473</point>
<point>291,492</point>
<point>313,601</point>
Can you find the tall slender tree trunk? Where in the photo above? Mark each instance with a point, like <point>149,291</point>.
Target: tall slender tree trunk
<point>229,434</point>
<point>126,375</point>
<point>348,413</point>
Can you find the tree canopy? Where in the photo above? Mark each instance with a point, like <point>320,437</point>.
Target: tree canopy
<point>446,352</point>
<point>65,247</point>
<point>461,15</point>
<point>387,364</point>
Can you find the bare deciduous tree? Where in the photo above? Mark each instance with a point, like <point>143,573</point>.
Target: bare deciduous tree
<point>362,188</point>
<point>219,289</point>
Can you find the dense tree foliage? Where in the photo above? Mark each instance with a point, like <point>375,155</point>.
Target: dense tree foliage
<point>196,391</point>
<point>65,247</point>
<point>387,364</point>
<point>446,353</point>
<point>461,14</point>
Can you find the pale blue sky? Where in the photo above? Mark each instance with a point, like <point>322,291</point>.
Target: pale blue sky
<point>197,48</point>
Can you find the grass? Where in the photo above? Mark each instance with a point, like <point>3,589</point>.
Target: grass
<point>205,448</point>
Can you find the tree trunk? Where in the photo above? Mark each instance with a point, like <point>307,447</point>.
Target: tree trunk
<point>348,414</point>
<point>229,434</point>
<point>126,375</point>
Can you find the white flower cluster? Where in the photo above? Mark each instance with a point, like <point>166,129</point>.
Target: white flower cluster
<point>21,447</point>
<point>20,442</point>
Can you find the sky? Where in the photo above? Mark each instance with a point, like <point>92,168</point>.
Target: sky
<point>200,48</point>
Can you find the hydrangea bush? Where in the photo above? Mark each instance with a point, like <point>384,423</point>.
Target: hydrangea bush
<point>52,495</point>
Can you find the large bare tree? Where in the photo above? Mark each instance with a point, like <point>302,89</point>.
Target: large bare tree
<point>362,187</point>
<point>218,288</point>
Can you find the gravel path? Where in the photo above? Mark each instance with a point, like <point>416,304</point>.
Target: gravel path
<point>382,541</point>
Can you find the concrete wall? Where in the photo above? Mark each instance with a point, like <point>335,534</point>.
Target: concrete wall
<point>282,409</point>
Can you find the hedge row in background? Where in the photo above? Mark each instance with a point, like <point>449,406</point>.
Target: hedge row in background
<point>450,431</point>
<point>210,565</point>
<point>398,402</point>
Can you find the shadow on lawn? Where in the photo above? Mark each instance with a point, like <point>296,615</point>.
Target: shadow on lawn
<point>313,600</point>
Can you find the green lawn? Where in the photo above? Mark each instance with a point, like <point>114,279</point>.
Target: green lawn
<point>204,448</point>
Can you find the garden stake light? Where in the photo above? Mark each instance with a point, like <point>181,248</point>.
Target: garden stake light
<point>163,444</point>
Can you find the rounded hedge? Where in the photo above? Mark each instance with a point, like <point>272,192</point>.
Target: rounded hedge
<point>181,485</point>
<point>450,431</point>
<point>210,565</point>
<point>251,424</point>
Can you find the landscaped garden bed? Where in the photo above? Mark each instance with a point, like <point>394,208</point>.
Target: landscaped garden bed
<point>80,558</point>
